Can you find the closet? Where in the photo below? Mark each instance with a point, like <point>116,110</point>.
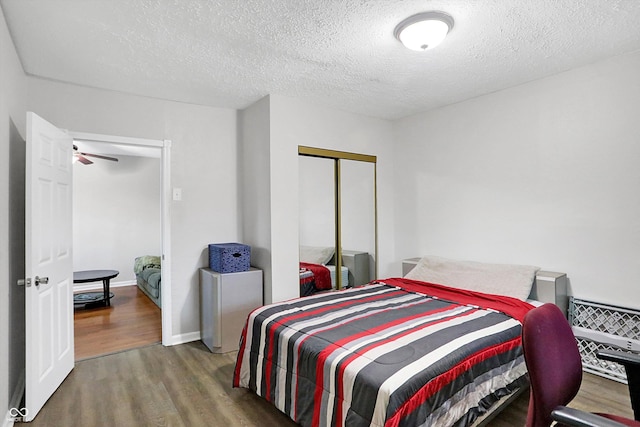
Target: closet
<point>338,209</point>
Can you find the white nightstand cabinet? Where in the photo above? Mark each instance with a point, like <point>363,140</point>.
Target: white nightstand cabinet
<point>225,302</point>
<point>358,265</point>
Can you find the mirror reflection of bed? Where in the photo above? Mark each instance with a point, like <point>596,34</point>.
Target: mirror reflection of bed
<point>318,269</point>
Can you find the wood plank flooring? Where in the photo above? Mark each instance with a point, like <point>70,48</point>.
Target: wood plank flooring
<point>132,320</point>
<point>596,394</point>
<point>186,385</point>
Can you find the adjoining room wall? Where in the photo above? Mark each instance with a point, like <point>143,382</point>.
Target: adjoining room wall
<point>116,214</point>
<point>203,165</point>
<point>545,173</point>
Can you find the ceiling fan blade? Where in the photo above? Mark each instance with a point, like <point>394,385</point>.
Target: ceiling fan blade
<point>83,160</point>
<point>113,159</point>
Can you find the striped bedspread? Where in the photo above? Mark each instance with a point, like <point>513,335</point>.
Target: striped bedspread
<point>394,353</point>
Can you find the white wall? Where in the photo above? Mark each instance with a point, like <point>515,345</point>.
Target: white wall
<point>545,173</point>
<point>116,214</point>
<point>255,191</point>
<point>203,141</point>
<point>13,88</point>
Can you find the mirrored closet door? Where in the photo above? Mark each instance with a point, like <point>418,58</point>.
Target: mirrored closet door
<point>316,202</point>
<point>338,214</point>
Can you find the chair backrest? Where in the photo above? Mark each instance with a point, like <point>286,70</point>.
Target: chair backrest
<point>553,361</point>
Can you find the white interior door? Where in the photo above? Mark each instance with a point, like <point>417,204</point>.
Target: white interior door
<point>49,264</point>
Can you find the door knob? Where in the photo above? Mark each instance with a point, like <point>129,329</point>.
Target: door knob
<point>41,280</point>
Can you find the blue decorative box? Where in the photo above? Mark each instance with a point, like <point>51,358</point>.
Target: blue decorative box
<point>229,257</point>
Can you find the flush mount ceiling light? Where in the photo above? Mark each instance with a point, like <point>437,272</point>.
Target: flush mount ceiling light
<point>424,31</point>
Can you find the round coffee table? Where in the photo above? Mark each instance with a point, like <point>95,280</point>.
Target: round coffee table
<point>87,276</point>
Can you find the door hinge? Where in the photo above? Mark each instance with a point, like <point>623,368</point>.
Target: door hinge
<point>23,282</point>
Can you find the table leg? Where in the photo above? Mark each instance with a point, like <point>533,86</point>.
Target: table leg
<point>105,288</point>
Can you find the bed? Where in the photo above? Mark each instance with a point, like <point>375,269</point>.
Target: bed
<point>148,271</point>
<point>316,278</point>
<point>397,352</point>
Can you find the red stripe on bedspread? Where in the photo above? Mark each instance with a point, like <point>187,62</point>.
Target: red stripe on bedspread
<point>436,384</point>
<point>321,275</point>
<point>243,339</point>
<point>510,306</point>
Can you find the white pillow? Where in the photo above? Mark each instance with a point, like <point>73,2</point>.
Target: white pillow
<point>316,254</point>
<point>502,279</point>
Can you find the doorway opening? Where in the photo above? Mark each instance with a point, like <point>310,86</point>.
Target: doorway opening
<point>121,221</point>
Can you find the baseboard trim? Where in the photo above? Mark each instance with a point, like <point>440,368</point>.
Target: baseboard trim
<point>15,401</point>
<point>185,338</point>
<point>97,286</point>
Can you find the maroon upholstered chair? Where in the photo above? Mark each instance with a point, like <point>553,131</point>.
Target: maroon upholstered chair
<point>555,372</point>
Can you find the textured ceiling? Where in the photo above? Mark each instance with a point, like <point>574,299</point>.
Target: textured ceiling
<point>336,53</point>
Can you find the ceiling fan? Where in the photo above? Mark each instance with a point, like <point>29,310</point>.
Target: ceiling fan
<point>82,157</point>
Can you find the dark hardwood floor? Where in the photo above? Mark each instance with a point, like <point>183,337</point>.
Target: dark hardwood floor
<point>186,385</point>
<point>132,320</point>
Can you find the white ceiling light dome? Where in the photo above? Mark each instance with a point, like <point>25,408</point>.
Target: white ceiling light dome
<point>424,31</point>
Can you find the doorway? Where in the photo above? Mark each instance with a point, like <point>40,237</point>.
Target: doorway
<point>130,299</point>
